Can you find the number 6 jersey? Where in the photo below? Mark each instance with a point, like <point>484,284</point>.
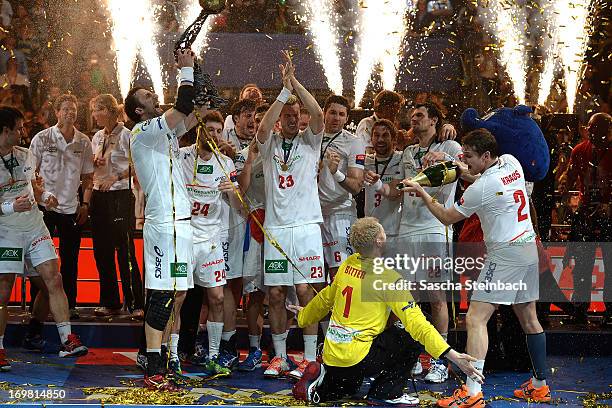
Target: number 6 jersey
<point>290,174</point>
<point>207,217</point>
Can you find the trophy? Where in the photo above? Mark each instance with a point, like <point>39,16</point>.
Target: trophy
<point>435,176</point>
<point>206,93</point>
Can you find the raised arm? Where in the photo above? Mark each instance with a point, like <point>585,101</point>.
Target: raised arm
<point>310,103</point>
<point>184,100</point>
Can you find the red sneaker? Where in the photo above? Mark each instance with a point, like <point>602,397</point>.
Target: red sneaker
<point>299,370</point>
<point>305,388</point>
<point>160,383</point>
<point>73,347</point>
<point>4,364</point>
<point>532,394</point>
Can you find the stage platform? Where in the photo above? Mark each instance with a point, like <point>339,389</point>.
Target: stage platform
<point>580,362</point>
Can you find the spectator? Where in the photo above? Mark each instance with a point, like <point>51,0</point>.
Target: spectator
<point>6,13</point>
<point>7,51</point>
<point>12,77</point>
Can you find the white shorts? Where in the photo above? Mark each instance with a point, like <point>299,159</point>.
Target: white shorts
<point>161,270</point>
<point>210,264</point>
<point>515,284</point>
<point>428,256</point>
<point>303,246</point>
<point>20,249</point>
<point>335,232</point>
<point>253,267</point>
<point>233,252</point>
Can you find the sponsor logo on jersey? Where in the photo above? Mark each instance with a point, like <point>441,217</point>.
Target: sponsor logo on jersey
<point>409,305</point>
<point>11,254</point>
<point>159,254</point>
<point>329,244</point>
<point>205,169</point>
<point>52,149</point>
<point>211,263</point>
<point>39,240</point>
<point>233,176</point>
<point>511,178</point>
<point>360,159</point>
<point>309,258</point>
<point>16,186</point>
<point>178,270</point>
<point>276,266</point>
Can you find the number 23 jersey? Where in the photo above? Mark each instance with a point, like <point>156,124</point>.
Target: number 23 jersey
<point>292,195</point>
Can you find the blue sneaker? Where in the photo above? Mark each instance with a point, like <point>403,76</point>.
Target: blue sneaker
<point>34,342</point>
<point>199,358</point>
<point>252,362</point>
<point>228,360</point>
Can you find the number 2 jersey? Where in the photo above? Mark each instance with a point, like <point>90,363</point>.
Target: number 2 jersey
<point>499,198</point>
<point>360,308</point>
<point>203,179</point>
<point>292,195</point>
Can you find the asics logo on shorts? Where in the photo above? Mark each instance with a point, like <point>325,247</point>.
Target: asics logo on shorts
<point>158,260</point>
<point>489,276</point>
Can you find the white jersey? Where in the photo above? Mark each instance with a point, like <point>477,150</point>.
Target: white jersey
<point>18,182</point>
<point>364,130</point>
<point>155,153</point>
<point>416,217</point>
<point>206,199</point>
<point>292,197</point>
<point>499,198</point>
<point>387,211</point>
<point>239,143</point>
<point>334,198</point>
<point>116,149</point>
<point>256,193</point>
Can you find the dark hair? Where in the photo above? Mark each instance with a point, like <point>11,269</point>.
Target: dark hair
<point>241,106</point>
<point>248,86</point>
<point>213,116</point>
<point>388,124</point>
<point>263,108</point>
<point>386,97</point>
<point>57,104</point>
<point>481,141</point>
<point>340,100</point>
<point>303,110</point>
<point>131,103</point>
<point>9,117</point>
<point>432,112</point>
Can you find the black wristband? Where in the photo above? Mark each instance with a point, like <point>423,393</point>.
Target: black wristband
<point>184,100</point>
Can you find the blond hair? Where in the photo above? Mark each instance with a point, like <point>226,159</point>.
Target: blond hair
<point>363,234</point>
<point>292,100</point>
<point>107,101</point>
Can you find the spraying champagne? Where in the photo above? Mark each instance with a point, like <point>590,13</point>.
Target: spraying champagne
<point>434,176</point>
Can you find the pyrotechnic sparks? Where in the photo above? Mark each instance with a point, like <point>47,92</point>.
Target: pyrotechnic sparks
<point>573,35</point>
<point>133,29</point>
<point>505,21</point>
<point>190,12</point>
<point>321,20</point>
<point>381,30</point>
<point>550,51</point>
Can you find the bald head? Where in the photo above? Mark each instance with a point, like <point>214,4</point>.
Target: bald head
<point>600,129</point>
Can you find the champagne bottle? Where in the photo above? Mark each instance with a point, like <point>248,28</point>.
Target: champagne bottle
<point>434,176</point>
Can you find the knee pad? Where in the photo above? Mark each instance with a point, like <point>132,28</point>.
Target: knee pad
<point>160,307</point>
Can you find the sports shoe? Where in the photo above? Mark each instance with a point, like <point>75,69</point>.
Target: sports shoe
<point>461,399</point>
<point>252,362</point>
<point>175,372</point>
<point>141,361</point>
<point>4,364</point>
<point>404,400</point>
<point>299,370</point>
<point>160,383</point>
<point>106,311</point>
<point>34,342</point>
<point>417,369</point>
<point>438,372</point>
<point>228,360</point>
<point>73,347</point>
<point>278,367</point>
<point>213,367</point>
<point>305,388</point>
<point>199,358</point>
<point>531,394</point>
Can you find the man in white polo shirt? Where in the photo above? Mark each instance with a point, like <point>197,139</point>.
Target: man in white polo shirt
<point>64,159</point>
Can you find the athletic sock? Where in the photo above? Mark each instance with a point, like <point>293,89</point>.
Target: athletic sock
<point>280,344</point>
<point>64,329</point>
<point>310,347</point>
<point>227,335</point>
<point>229,342</point>
<point>254,342</point>
<point>473,386</point>
<point>174,339</point>
<point>214,330</point>
<point>536,344</point>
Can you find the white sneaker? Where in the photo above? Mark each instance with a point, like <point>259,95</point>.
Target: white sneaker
<point>404,400</point>
<point>438,372</point>
<point>417,369</point>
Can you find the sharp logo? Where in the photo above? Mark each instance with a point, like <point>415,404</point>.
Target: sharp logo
<point>276,266</point>
<point>11,254</point>
<point>158,260</point>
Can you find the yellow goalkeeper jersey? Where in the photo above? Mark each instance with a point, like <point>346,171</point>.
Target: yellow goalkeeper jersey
<point>360,301</point>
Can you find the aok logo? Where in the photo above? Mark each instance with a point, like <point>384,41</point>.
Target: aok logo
<point>158,260</point>
<point>276,266</point>
<point>11,254</point>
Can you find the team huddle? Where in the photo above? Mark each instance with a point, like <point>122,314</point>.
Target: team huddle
<point>262,204</point>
